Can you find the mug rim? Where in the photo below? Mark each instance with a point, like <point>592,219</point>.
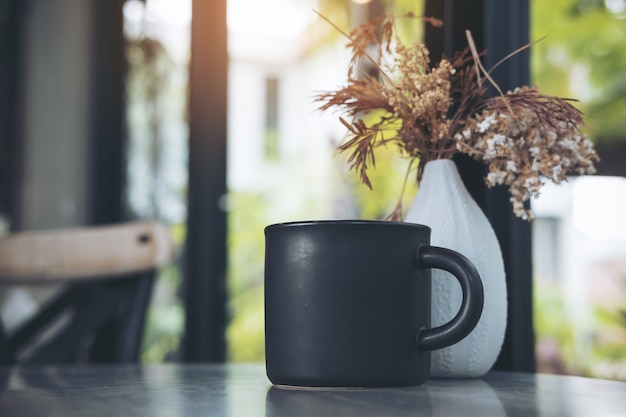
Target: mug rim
<point>313,223</point>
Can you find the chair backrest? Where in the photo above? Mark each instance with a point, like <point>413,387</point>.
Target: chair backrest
<point>107,272</point>
<point>83,253</point>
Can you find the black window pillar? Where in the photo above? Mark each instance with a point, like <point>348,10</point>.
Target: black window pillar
<point>11,21</point>
<point>205,274</point>
<point>107,151</point>
<point>500,27</point>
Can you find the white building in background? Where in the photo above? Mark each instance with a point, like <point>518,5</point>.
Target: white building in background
<point>579,243</point>
<point>278,143</point>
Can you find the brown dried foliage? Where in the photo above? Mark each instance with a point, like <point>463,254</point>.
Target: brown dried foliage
<point>431,111</point>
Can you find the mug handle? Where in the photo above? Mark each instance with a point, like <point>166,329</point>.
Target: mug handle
<point>471,306</point>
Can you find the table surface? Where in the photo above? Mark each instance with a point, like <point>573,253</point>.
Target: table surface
<point>244,390</point>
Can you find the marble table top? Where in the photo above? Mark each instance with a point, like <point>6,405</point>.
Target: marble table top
<point>244,390</point>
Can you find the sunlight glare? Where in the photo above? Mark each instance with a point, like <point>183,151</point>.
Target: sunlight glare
<point>599,204</point>
<point>170,12</point>
<point>277,19</point>
<point>615,6</point>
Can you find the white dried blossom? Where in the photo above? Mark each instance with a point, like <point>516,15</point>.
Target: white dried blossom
<point>521,147</point>
<point>568,144</point>
<point>486,123</point>
<point>494,178</point>
<point>497,139</point>
<point>511,166</point>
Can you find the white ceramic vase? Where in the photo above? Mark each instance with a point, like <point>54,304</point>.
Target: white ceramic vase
<point>444,204</point>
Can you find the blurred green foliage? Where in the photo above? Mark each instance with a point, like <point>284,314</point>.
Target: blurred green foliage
<point>245,333</point>
<point>554,329</point>
<point>564,343</point>
<point>609,343</point>
<point>165,316</point>
<point>583,57</point>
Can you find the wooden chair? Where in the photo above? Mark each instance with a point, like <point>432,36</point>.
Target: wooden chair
<point>108,274</point>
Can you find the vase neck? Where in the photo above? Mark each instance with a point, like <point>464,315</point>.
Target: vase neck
<point>440,168</point>
<point>439,176</point>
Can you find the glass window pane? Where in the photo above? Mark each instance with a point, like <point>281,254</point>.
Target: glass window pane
<point>158,42</point>
<point>282,164</point>
<point>579,235</point>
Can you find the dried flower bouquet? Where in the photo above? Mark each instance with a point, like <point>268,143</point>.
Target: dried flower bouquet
<point>432,111</point>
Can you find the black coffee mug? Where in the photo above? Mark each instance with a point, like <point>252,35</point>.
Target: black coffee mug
<point>347,303</point>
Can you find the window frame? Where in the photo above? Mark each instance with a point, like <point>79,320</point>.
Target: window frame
<point>499,26</point>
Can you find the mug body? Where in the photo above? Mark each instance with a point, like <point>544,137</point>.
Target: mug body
<point>344,301</point>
